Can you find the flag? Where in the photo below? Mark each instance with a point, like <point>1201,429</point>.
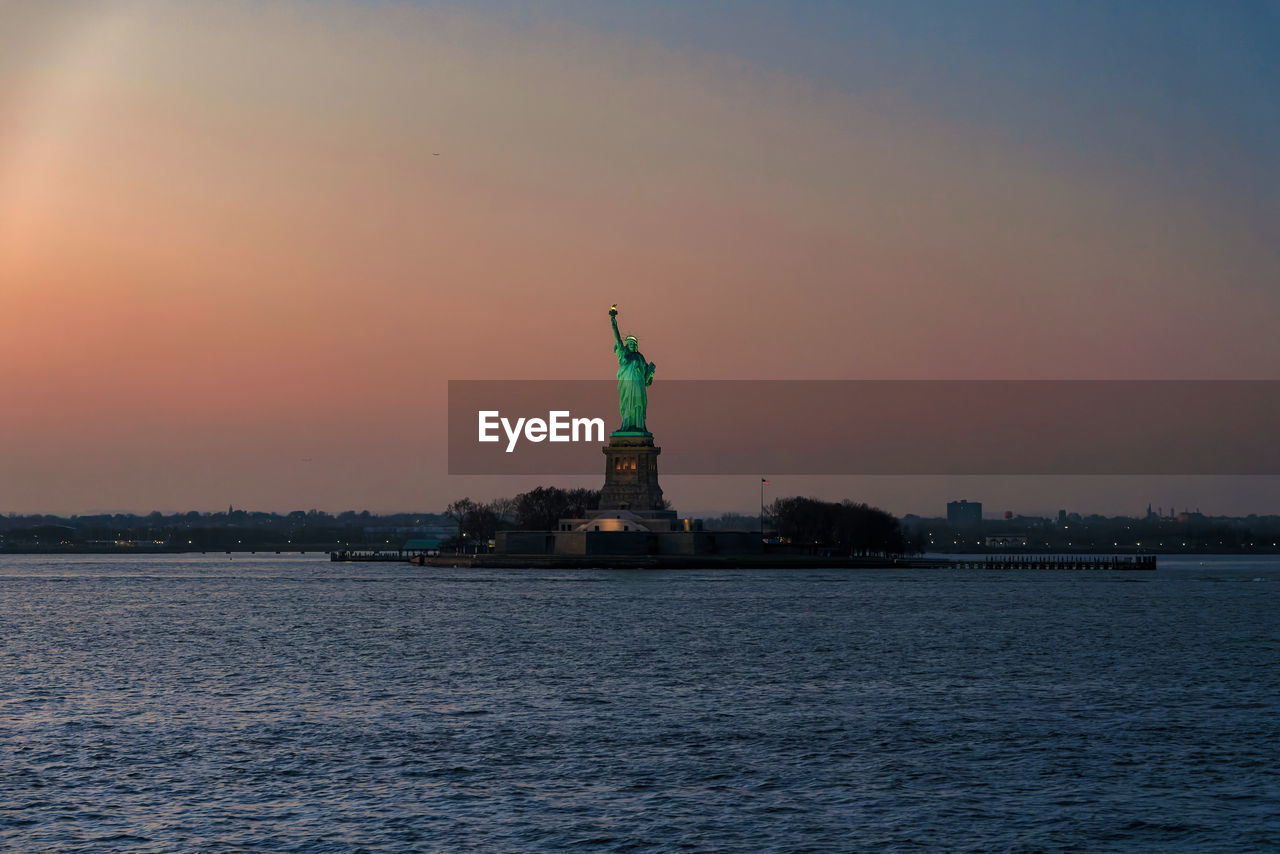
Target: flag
<point>764,482</point>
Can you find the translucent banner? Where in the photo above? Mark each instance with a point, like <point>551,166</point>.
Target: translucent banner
<point>875,427</point>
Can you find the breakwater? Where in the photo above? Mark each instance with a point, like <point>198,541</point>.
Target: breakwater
<point>1067,561</point>
<point>1074,562</point>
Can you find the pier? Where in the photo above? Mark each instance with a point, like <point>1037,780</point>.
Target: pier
<point>1067,562</point>
<point>371,555</point>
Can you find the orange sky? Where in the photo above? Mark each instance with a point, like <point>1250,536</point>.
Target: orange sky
<point>235,270</point>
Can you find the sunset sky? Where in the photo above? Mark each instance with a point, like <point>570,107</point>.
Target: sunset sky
<point>245,245</point>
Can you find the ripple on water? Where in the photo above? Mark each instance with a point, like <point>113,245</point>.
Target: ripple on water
<point>283,703</point>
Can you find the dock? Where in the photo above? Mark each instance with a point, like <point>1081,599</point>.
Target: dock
<point>371,555</point>
<point>708,561</point>
<point>1060,562</point>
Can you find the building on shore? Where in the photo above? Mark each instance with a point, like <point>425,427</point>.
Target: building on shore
<point>963,513</point>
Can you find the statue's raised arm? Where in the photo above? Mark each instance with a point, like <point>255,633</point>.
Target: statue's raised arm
<point>613,320</point>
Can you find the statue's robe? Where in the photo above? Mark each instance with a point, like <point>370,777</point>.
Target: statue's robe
<point>633,377</point>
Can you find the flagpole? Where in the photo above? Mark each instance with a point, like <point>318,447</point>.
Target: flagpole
<point>762,485</point>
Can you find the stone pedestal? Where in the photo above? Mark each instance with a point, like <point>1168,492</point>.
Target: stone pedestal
<point>631,474</point>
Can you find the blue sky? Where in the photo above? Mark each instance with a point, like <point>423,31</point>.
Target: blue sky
<point>1185,91</point>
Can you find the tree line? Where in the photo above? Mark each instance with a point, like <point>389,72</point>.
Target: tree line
<point>845,527</point>
<point>536,510</point>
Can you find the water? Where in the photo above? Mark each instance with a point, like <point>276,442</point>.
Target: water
<point>289,704</point>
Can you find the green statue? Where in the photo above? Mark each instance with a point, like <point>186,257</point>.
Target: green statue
<point>634,375</point>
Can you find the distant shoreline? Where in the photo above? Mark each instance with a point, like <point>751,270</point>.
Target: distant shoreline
<point>326,549</point>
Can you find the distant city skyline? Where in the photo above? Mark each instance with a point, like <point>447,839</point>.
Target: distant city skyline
<point>244,247</point>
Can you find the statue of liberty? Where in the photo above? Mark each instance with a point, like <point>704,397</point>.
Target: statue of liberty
<point>634,375</point>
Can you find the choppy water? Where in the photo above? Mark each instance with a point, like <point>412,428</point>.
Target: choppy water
<point>286,703</point>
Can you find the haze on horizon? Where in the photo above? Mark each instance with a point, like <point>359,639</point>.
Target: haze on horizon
<point>245,245</point>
